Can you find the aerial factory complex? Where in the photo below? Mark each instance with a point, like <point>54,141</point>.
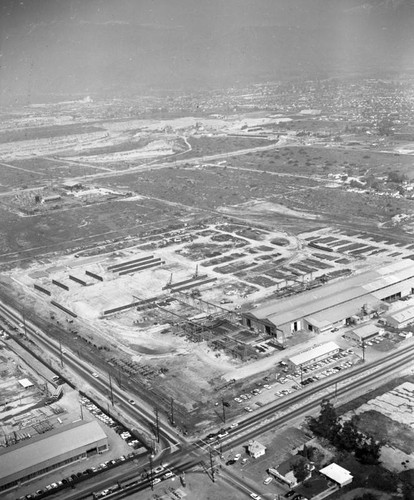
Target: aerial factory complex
<point>208,294</point>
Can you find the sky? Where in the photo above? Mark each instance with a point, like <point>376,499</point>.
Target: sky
<point>123,47</point>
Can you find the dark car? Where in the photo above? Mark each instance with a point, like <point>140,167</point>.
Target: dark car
<point>230,462</point>
<point>289,493</point>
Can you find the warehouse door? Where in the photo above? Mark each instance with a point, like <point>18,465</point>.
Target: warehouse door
<point>91,452</point>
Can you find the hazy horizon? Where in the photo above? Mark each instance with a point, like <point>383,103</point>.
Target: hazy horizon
<point>122,48</point>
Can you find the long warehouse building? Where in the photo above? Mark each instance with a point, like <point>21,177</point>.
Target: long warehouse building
<point>335,304</point>
<point>24,461</point>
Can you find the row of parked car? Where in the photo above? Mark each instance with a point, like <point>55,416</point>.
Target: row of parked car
<point>73,478</point>
<point>120,429</point>
<point>254,392</point>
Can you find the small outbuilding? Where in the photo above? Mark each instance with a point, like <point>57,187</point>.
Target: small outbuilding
<point>337,474</point>
<point>25,382</point>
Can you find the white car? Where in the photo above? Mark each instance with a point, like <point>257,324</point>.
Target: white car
<point>94,374</point>
<point>233,425</point>
<point>223,434</point>
<point>156,480</point>
<point>248,409</point>
<point>237,457</point>
<point>158,469</point>
<point>256,497</point>
<point>268,480</point>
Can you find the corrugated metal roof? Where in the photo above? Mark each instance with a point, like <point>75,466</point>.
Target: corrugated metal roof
<point>324,292</point>
<point>392,289</point>
<point>20,457</point>
<point>388,280</point>
<point>343,311</point>
<point>316,352</point>
<point>403,315</point>
<point>309,303</point>
<point>366,330</point>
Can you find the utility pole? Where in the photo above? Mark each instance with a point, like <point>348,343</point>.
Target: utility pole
<point>110,387</point>
<point>151,472</point>
<point>120,377</point>
<point>157,425</point>
<point>172,411</point>
<point>363,351</point>
<point>212,465</point>
<point>224,410</point>
<point>61,353</point>
<point>301,375</point>
<point>24,323</point>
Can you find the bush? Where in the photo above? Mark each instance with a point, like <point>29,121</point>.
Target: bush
<point>366,496</point>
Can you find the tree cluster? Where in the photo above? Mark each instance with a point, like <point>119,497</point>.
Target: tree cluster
<point>345,436</point>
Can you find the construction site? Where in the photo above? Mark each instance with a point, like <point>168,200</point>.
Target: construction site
<point>166,314</point>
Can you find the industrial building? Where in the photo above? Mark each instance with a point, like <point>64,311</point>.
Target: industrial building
<point>314,355</point>
<point>337,304</point>
<point>362,333</point>
<point>401,318</point>
<point>24,461</point>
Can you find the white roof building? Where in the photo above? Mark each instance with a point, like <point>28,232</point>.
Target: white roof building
<point>25,382</point>
<point>318,352</point>
<point>337,474</point>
